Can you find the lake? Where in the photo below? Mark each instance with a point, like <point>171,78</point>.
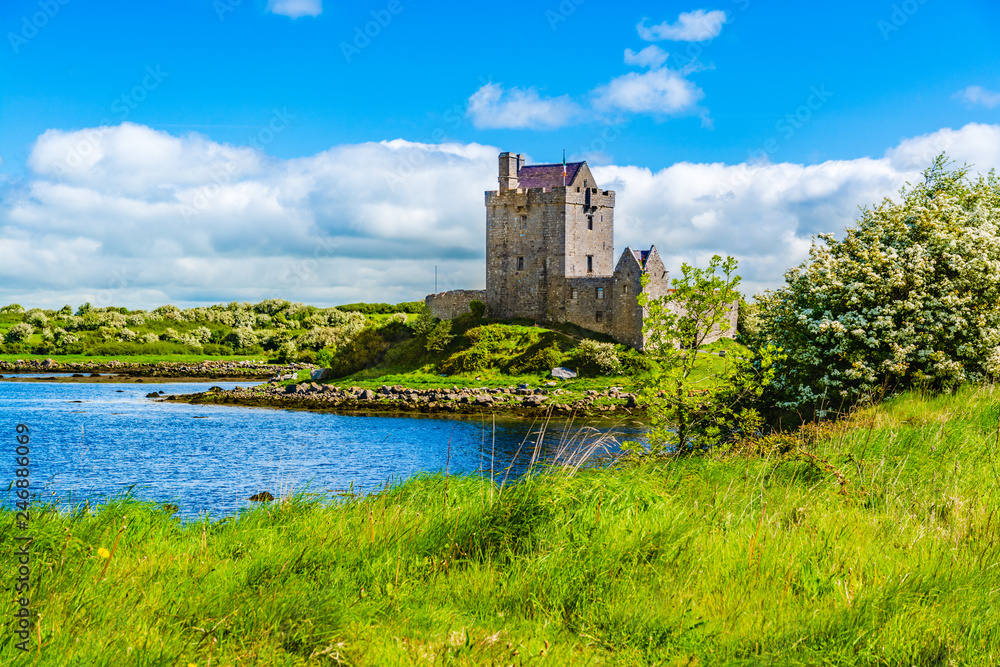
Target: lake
<point>92,441</point>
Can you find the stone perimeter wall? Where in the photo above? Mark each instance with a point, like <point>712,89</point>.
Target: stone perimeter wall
<point>449,305</point>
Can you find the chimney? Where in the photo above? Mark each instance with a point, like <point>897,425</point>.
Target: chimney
<point>510,165</point>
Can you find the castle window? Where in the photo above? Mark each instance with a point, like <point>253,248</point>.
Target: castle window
<point>600,292</point>
<point>574,294</point>
<point>520,263</point>
<point>625,289</point>
<point>599,316</point>
<point>590,222</point>
<point>524,221</point>
<point>590,263</point>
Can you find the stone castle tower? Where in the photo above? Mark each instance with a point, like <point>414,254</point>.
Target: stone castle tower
<point>550,255</point>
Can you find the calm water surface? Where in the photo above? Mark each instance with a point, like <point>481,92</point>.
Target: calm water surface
<point>92,441</point>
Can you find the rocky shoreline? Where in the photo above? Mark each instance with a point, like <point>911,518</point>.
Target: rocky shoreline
<point>512,401</point>
<point>212,370</point>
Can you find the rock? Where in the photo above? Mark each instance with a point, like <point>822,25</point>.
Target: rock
<point>532,401</point>
<point>76,375</point>
<point>630,401</point>
<point>49,363</point>
<point>321,374</point>
<point>261,497</point>
<point>562,373</point>
<point>367,395</point>
<point>483,400</point>
<point>551,384</point>
<point>152,394</point>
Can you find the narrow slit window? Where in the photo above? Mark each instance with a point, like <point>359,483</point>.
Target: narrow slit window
<point>590,222</point>
<point>590,263</point>
<point>625,289</point>
<point>520,263</point>
<point>574,294</point>
<point>599,316</point>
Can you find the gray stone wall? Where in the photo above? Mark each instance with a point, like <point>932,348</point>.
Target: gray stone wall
<point>449,305</point>
<point>585,298</point>
<point>525,244</point>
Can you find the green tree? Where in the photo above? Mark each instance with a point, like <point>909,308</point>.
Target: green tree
<point>691,410</point>
<point>909,297</point>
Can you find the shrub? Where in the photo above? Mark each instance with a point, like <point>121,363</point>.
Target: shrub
<point>36,318</point>
<point>635,362</point>
<point>439,337</point>
<point>910,297</point>
<point>478,308</point>
<point>536,359</point>
<point>242,338</point>
<point>14,308</point>
<point>592,356</point>
<point>19,333</point>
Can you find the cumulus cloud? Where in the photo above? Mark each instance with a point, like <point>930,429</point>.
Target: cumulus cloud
<point>494,107</point>
<point>979,95</point>
<point>145,217</point>
<point>696,26</point>
<point>652,57</point>
<point>657,91</point>
<point>295,8</point>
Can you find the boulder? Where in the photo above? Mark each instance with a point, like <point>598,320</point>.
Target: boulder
<point>261,497</point>
<point>563,373</point>
<point>533,401</point>
<point>367,395</point>
<point>321,374</point>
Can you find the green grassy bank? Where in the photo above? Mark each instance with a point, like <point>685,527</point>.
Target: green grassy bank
<point>872,542</point>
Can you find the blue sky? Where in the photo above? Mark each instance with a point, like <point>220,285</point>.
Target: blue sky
<point>356,163</point>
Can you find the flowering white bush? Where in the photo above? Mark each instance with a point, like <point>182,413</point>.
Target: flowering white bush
<point>911,296</point>
<point>19,333</point>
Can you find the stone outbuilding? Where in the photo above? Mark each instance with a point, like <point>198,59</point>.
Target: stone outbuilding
<point>550,255</point>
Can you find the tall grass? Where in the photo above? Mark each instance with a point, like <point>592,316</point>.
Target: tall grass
<point>873,542</point>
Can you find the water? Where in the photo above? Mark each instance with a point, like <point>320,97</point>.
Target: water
<point>92,441</point>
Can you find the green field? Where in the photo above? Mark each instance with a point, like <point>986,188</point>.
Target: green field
<point>873,541</point>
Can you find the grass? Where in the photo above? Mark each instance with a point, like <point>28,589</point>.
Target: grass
<point>872,542</point>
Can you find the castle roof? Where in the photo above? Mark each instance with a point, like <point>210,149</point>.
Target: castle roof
<point>641,256</point>
<point>547,175</point>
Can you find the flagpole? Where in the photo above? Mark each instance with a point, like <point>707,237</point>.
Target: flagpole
<point>564,167</point>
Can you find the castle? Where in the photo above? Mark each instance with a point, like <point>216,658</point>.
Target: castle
<point>550,255</point>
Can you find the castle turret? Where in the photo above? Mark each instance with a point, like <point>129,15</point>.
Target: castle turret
<point>510,165</point>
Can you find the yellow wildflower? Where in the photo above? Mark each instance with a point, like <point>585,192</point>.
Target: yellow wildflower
<point>103,553</point>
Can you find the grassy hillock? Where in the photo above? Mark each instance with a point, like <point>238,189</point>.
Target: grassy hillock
<point>870,542</point>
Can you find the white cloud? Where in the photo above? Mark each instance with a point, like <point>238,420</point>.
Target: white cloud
<point>696,26</point>
<point>652,57</point>
<point>147,219</point>
<point>494,107</point>
<point>979,95</point>
<point>658,92</point>
<point>295,8</point>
